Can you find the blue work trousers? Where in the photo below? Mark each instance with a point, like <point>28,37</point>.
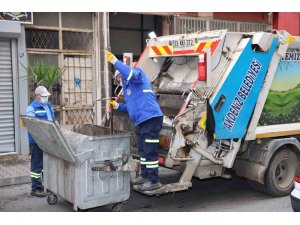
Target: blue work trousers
<point>148,140</point>
<point>36,167</point>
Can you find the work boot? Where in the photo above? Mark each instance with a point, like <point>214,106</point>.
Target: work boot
<point>149,186</point>
<point>38,193</point>
<point>139,180</point>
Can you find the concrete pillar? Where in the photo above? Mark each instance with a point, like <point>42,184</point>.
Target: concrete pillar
<point>23,91</point>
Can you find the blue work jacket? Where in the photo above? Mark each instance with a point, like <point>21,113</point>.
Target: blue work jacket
<point>36,109</point>
<point>141,103</point>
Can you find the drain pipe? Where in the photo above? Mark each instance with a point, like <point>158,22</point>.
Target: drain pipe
<point>97,107</point>
<point>106,69</point>
<point>106,47</point>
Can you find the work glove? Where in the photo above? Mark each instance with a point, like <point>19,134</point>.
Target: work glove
<point>22,124</point>
<point>112,103</point>
<point>111,57</point>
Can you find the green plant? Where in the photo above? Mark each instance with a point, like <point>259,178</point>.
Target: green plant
<point>36,71</point>
<point>45,73</point>
<point>52,75</point>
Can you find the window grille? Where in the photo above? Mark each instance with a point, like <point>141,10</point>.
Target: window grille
<point>221,25</point>
<point>42,39</point>
<point>190,25</point>
<point>77,80</point>
<point>249,27</point>
<point>77,41</point>
<point>79,116</point>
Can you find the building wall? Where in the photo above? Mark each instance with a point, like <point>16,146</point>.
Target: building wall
<point>15,32</point>
<point>243,16</point>
<point>23,88</point>
<point>261,17</point>
<point>129,31</point>
<point>66,40</point>
<point>287,21</point>
<point>46,40</point>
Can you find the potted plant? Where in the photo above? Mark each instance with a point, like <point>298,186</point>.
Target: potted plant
<point>44,73</point>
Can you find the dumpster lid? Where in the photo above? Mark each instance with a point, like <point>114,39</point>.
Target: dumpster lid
<point>49,138</point>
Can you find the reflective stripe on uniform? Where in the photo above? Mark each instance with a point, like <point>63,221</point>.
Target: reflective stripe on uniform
<point>147,91</point>
<point>35,175</point>
<point>130,75</point>
<point>152,166</point>
<point>143,159</point>
<point>149,162</point>
<point>152,140</point>
<point>40,111</point>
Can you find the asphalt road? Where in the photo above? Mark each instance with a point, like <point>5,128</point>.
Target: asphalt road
<point>215,195</point>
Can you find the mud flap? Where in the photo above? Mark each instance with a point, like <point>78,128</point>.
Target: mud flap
<point>210,123</point>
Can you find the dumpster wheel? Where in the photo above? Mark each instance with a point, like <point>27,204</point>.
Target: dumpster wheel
<point>52,199</point>
<point>117,207</point>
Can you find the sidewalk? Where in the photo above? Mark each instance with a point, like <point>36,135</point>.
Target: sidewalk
<point>14,169</point>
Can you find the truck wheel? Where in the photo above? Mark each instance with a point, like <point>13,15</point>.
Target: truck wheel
<point>279,177</point>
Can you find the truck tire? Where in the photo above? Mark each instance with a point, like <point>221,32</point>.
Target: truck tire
<point>279,177</point>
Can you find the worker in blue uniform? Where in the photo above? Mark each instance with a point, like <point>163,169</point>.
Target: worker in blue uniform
<point>143,109</point>
<point>42,109</point>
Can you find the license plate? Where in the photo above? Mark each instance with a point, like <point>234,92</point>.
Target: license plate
<point>183,43</point>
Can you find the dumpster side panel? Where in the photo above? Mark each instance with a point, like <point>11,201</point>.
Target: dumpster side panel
<point>111,148</point>
<point>93,188</point>
<point>59,177</point>
<point>81,186</point>
<point>103,188</point>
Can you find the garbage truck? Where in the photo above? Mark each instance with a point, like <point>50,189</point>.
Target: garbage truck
<point>231,102</point>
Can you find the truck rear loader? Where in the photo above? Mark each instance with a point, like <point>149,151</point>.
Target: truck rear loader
<point>231,101</point>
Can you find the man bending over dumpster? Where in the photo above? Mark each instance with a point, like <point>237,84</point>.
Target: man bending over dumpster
<point>42,109</point>
<point>143,109</point>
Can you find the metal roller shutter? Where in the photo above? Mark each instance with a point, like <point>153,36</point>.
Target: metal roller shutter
<point>7,133</point>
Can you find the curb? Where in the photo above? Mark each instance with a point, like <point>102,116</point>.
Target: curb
<point>14,181</point>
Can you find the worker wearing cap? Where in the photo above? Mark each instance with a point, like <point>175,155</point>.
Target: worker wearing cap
<point>143,109</point>
<point>42,109</point>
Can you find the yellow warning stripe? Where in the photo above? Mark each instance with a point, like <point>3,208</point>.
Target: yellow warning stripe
<point>207,45</point>
<point>162,50</point>
<point>201,46</point>
<point>278,134</point>
<point>202,122</point>
<point>171,48</point>
<point>196,46</point>
<point>290,39</point>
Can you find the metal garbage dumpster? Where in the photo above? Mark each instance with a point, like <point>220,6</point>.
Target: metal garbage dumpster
<point>83,164</point>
